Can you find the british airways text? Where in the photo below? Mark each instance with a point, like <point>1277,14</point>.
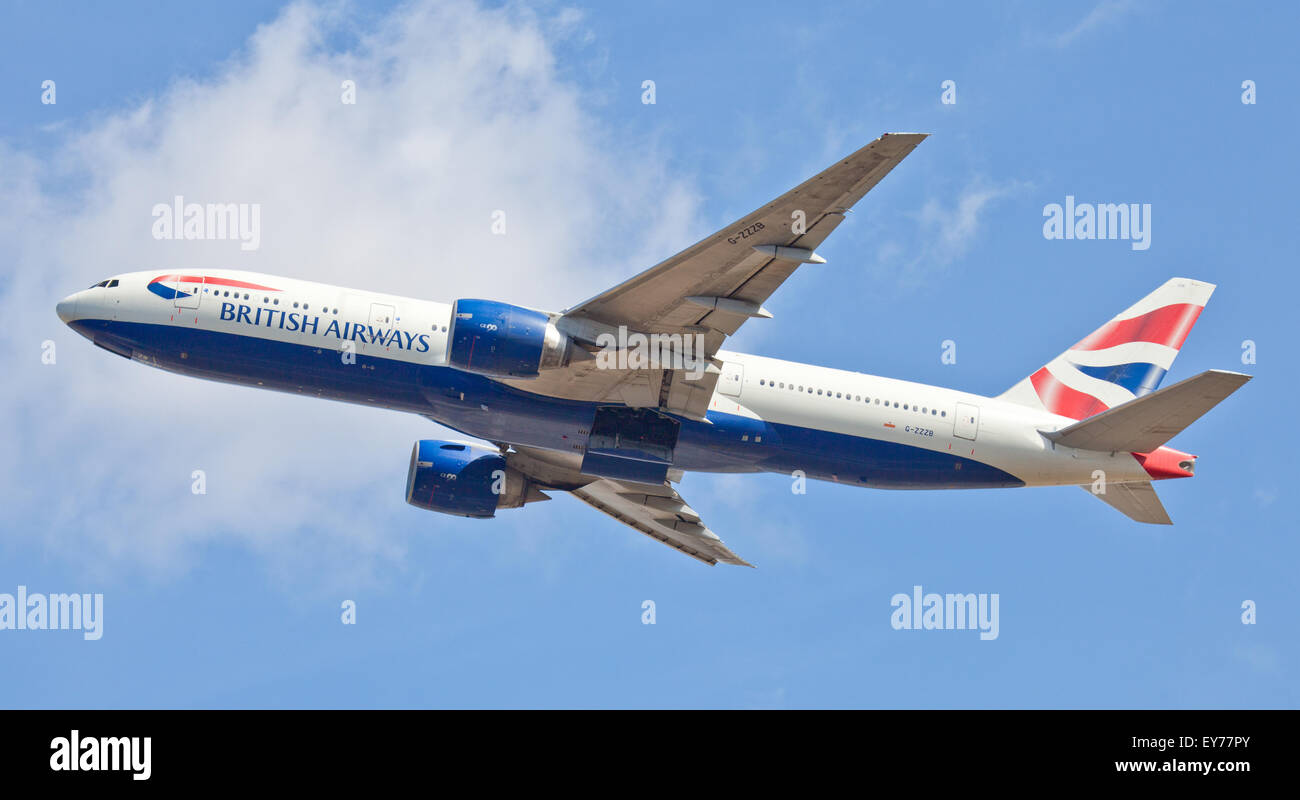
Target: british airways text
<point>293,321</point>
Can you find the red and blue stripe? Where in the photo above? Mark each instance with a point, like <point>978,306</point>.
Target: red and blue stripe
<point>159,287</point>
<point>1167,326</point>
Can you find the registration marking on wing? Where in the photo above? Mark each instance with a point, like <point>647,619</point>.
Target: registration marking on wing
<point>745,233</point>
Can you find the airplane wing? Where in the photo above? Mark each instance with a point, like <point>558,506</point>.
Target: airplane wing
<point>658,511</point>
<point>713,286</point>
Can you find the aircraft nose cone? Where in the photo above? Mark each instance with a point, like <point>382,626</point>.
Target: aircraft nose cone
<point>67,308</point>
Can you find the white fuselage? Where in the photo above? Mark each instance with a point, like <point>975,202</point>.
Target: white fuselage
<point>287,334</point>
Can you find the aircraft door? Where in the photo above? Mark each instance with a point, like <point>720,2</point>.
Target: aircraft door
<point>732,379</point>
<point>189,290</point>
<point>382,319</point>
<point>967,421</point>
<point>381,315</point>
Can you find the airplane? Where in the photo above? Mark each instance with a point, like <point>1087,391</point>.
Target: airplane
<point>558,414</point>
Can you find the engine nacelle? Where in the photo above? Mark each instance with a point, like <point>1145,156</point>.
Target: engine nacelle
<point>504,341</point>
<point>465,479</point>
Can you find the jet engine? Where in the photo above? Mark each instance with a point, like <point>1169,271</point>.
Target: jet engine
<point>504,341</point>
<point>466,480</point>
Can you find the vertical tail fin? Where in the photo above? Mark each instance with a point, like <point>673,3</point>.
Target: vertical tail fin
<point>1124,359</point>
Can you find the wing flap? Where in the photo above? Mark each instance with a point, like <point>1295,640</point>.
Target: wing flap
<point>661,514</point>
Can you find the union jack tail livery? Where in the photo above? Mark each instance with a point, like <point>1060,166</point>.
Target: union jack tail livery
<point>1122,360</point>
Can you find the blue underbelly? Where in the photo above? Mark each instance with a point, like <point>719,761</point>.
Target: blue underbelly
<point>486,409</point>
<point>825,455</point>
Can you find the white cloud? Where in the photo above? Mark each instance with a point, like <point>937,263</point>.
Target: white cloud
<point>1102,14</point>
<point>460,111</point>
<point>946,232</point>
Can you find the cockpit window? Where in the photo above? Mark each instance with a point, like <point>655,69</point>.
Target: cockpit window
<point>109,284</point>
<point>112,283</point>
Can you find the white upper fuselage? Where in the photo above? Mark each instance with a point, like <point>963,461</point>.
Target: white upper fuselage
<point>324,319</point>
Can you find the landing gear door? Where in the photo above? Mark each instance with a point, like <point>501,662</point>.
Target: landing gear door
<point>967,422</point>
<point>630,444</point>
<point>733,378</point>
<point>189,290</point>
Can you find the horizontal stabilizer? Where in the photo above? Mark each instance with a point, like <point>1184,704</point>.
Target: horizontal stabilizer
<point>1137,501</point>
<point>1142,425</point>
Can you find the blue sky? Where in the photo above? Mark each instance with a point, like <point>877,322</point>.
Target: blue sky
<point>232,599</point>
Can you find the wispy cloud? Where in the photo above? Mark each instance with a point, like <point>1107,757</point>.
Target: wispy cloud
<point>945,231</point>
<point>1104,13</point>
<point>460,111</point>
